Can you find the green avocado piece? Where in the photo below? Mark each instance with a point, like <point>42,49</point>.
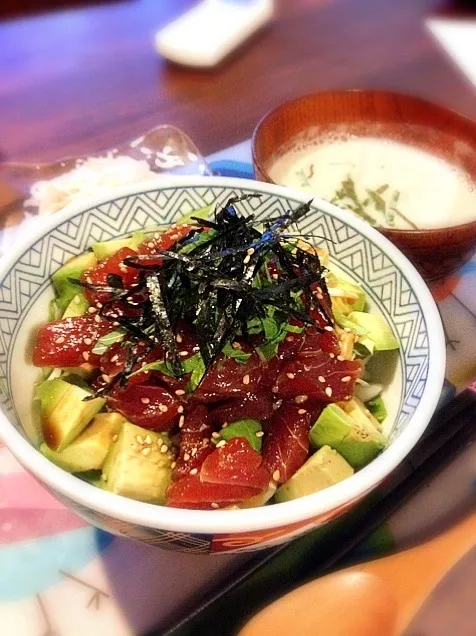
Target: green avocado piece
<point>378,330</point>
<point>105,249</point>
<point>88,451</point>
<point>244,428</point>
<point>353,297</point>
<point>63,414</point>
<point>73,268</point>
<point>362,445</point>
<point>78,306</point>
<point>323,469</point>
<point>201,213</point>
<point>359,413</point>
<point>377,407</point>
<point>135,465</point>
<point>351,433</point>
<point>331,427</point>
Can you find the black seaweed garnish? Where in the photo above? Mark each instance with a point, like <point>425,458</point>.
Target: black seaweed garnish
<point>218,279</point>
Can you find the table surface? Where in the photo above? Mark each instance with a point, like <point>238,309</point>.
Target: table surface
<point>85,79</point>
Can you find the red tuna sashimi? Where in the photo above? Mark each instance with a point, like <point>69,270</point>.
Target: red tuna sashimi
<point>69,342</point>
<point>286,444</point>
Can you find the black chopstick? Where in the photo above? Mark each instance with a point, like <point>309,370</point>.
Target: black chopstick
<point>449,432</point>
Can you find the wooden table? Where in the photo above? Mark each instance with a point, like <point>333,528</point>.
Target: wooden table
<point>86,79</point>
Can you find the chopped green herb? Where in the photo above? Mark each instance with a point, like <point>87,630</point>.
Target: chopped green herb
<point>103,344</point>
<point>236,353</point>
<point>244,428</point>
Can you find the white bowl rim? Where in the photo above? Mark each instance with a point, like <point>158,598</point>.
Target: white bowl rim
<point>215,522</point>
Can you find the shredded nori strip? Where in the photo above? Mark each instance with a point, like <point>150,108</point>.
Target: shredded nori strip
<point>210,279</point>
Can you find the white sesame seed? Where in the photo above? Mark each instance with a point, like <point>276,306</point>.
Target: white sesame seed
<point>346,378</point>
<point>274,389</point>
<point>194,452</point>
<point>299,399</point>
<point>164,448</point>
<point>88,341</point>
<point>159,441</point>
<point>178,338</point>
<point>97,318</point>
<point>236,345</point>
<point>246,379</point>
<point>114,438</point>
<point>59,340</point>
<point>277,405</point>
<point>247,259</point>
<point>86,355</point>
<point>194,471</point>
<point>179,392</point>
<point>214,505</point>
<point>186,457</point>
<point>172,465</point>
<point>123,268</point>
<point>180,409</point>
<point>275,276</point>
<point>89,280</point>
<point>291,376</point>
<point>145,451</point>
<point>328,328</point>
<point>224,425</point>
<point>340,358</point>
<point>320,296</point>
<point>260,434</point>
<point>163,408</point>
<point>151,244</point>
<point>145,400</point>
<point>290,338</point>
<point>92,310</point>
<point>321,378</point>
<point>106,378</point>
<point>276,475</point>
<point>139,439</point>
<point>332,355</point>
<point>99,305</point>
<point>215,435</point>
<point>148,440</point>
<point>183,353</point>
<point>181,421</point>
<point>328,391</point>
<point>221,443</point>
<point>302,411</point>
<point>115,358</point>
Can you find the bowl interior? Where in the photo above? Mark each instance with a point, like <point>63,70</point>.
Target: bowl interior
<point>393,287</point>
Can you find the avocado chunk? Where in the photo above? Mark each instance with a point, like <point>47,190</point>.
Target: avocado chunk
<point>138,464</point>
<point>63,413</point>
<point>377,407</point>
<point>260,500</point>
<point>323,469</point>
<point>378,330</point>
<point>73,268</point>
<point>359,413</point>
<point>331,427</point>
<point>244,428</point>
<point>346,296</point>
<point>78,306</point>
<point>351,433</point>
<point>88,451</point>
<point>105,249</point>
<point>200,213</point>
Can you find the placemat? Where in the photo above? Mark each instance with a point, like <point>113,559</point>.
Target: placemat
<point>61,577</point>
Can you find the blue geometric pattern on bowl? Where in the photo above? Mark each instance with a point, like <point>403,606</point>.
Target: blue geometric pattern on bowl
<point>357,255</point>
